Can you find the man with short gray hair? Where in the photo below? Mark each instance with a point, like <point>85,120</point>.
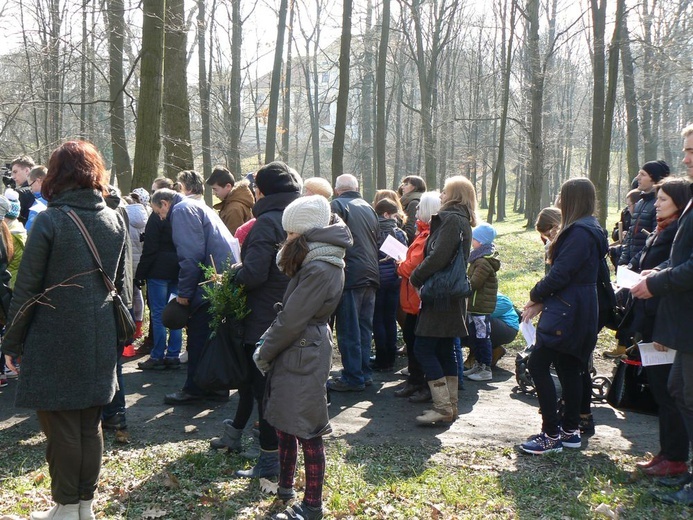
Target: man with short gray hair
<point>354,315</point>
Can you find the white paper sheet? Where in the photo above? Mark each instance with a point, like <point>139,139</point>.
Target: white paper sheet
<point>394,248</point>
<point>529,332</point>
<point>236,250</point>
<point>650,356</point>
<point>625,278</point>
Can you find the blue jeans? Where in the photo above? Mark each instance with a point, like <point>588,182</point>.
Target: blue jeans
<point>385,326</point>
<point>354,317</point>
<point>457,343</point>
<point>437,356</point>
<point>158,292</point>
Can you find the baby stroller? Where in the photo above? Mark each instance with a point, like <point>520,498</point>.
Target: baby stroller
<point>525,384</point>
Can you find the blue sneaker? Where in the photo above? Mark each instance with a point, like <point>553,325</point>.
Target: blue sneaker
<point>541,444</point>
<point>571,439</point>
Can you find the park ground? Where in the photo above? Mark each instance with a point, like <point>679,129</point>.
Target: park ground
<point>380,464</point>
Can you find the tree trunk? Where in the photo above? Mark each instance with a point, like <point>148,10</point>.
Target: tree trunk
<point>631,101</point>
<point>271,140</point>
<point>380,91</point>
<point>343,93</point>
<point>234,142</point>
<point>203,85</point>
<point>507,55</point>
<point>176,108</point>
<point>148,131</point>
<point>536,140</point>
<point>368,179</point>
<point>286,112</point>
<point>121,169</point>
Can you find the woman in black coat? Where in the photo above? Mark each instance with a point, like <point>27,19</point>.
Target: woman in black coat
<point>67,342</point>
<point>440,322</point>
<point>671,199</point>
<point>567,330</point>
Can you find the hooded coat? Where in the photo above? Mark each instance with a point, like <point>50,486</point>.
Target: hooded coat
<point>299,343</point>
<point>448,227</point>
<point>484,283</point>
<point>569,320</point>
<point>237,207</point>
<point>68,348</point>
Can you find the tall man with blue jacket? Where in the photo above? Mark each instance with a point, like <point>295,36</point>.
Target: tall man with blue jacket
<point>673,283</point>
<point>354,315</point>
<point>199,236</point>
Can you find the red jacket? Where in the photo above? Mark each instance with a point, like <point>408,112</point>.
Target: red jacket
<point>408,298</point>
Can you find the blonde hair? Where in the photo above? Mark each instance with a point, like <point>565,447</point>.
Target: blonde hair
<point>460,190</point>
<point>318,186</point>
<point>687,131</point>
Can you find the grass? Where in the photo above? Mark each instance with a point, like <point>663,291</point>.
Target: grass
<point>185,480</point>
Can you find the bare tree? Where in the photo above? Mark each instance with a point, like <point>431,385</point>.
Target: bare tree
<point>121,169</point>
<point>271,139</point>
<point>343,95</point>
<point>148,132</point>
<point>176,107</point>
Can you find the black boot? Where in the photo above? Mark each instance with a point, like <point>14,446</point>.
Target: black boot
<point>682,497</point>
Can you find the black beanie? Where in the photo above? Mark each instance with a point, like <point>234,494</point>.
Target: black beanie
<point>275,177</point>
<point>657,170</point>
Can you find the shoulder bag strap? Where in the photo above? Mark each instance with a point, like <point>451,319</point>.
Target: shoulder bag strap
<point>92,247</point>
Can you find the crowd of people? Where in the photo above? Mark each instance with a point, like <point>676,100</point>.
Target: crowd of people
<point>311,257</point>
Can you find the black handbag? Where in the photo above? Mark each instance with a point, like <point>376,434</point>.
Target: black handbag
<point>223,363</point>
<point>630,390</point>
<point>449,284</point>
<point>125,325</point>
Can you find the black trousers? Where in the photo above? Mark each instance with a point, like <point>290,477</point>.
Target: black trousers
<point>569,370</point>
<point>268,435</point>
<point>74,451</point>
<point>680,387</point>
<point>673,439</point>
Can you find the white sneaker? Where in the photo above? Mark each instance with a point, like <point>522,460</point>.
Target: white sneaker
<point>483,374</point>
<point>183,357</point>
<point>475,368</point>
<point>10,374</point>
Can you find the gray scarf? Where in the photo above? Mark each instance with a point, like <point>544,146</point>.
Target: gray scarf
<point>321,251</point>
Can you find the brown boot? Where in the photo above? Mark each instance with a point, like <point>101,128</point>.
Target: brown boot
<point>453,390</point>
<point>619,351</point>
<point>407,390</point>
<point>442,409</point>
<point>496,354</point>
<point>469,362</point>
<point>423,395</point>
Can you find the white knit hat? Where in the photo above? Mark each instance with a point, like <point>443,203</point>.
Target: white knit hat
<point>306,213</point>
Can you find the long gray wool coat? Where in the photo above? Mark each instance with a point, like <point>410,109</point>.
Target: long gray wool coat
<point>299,344</point>
<point>68,340</point>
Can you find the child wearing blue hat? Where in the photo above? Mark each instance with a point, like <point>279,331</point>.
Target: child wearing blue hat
<point>483,266</point>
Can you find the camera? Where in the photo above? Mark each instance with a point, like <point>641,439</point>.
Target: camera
<point>6,173</point>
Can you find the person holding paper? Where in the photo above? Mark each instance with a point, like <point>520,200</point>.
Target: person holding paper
<point>387,295</point>
<point>671,199</point>
<point>567,330</point>
<point>673,282</point>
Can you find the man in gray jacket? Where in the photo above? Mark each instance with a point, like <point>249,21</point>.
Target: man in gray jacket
<point>354,315</point>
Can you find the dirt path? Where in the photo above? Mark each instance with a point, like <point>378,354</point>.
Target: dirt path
<point>491,415</point>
